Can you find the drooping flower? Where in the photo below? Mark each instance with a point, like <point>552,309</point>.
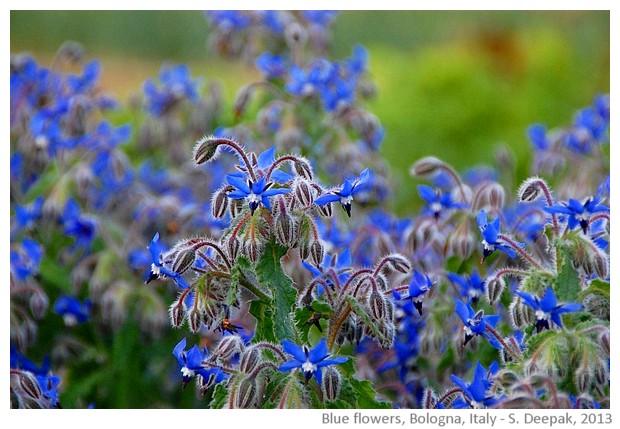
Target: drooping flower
<point>26,260</point>
<point>310,361</point>
<point>477,394</point>
<point>256,193</point>
<point>579,213</point>
<point>490,234</point>
<point>475,323</point>
<point>158,269</point>
<point>548,308</point>
<point>437,202</point>
<point>191,362</point>
<point>472,287</point>
<point>77,225</point>
<point>346,192</point>
<point>418,287</point>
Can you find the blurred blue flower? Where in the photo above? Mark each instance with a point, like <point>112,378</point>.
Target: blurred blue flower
<point>477,393</point>
<point>418,287</point>
<point>72,310</point>
<point>475,323</point>
<point>310,361</point>
<point>25,261</point>
<point>437,202</point>
<point>537,135</point>
<point>82,228</point>
<point>320,17</point>
<point>548,308</point>
<point>176,85</point>
<point>273,66</point>
<point>471,286</point>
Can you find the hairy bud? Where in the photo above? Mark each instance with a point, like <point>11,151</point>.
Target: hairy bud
<point>253,249</point>
<point>183,260</point>
<point>195,319</point>
<point>530,190</point>
<point>494,288</point>
<point>242,100</point>
<point>233,245</point>
<point>304,250</point>
<point>205,149</point>
<point>38,304</point>
<point>228,346</point>
<point>326,210</point>
<point>245,395</point>
<point>604,341</point>
<point>235,207</point>
<point>332,380</point>
<point>398,263</point>
<point>302,168</point>
<point>376,305</point>
<point>28,383</point>
<point>285,229</point>
<point>583,379</point>
<point>219,204</point>
<point>303,193</point>
<point>426,166</point>
<point>317,253</point>
<point>250,359</point>
<point>295,35</point>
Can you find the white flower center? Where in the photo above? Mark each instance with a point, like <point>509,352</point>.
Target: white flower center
<point>475,293</point>
<point>253,198</point>
<point>41,142</point>
<point>468,331</point>
<point>541,315</point>
<point>307,89</point>
<point>187,372</point>
<point>346,200</point>
<point>155,269</point>
<point>436,207</point>
<point>309,366</point>
<point>70,319</point>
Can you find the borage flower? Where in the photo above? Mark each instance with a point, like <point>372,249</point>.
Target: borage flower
<point>578,213</point>
<point>158,269</point>
<point>472,287</point>
<point>349,188</point>
<point>475,323</point>
<point>72,310</point>
<point>255,193</point>
<point>310,361</point>
<point>191,363</point>
<point>548,308</point>
<point>437,202</point>
<point>419,285</point>
<point>490,234</point>
<point>476,394</point>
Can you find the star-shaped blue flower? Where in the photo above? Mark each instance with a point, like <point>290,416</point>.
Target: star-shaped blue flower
<point>578,213</point>
<point>255,193</point>
<point>419,285</point>
<point>476,394</point>
<point>158,269</point>
<point>472,286</point>
<point>548,308</point>
<point>191,362</point>
<point>490,232</point>
<point>475,323</point>
<point>349,188</point>
<point>72,310</point>
<point>436,201</point>
<point>310,361</point>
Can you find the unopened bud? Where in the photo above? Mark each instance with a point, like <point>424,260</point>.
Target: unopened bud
<point>285,229</point>
<point>316,253</point>
<point>530,190</point>
<point>600,263</point>
<point>304,250</point>
<point>520,315</point>
<point>426,166</point>
<point>604,340</point>
<point>302,168</point>
<point>376,305</point>
<point>326,210</point>
<point>387,335</point>
<point>295,35</point>
<point>233,245</point>
<point>399,263</point>
<point>195,319</point>
<point>235,207</point>
<point>583,379</point>
<point>494,288</point>
<point>228,346</point>
<point>253,250</point>
<point>205,149</point>
<point>184,258</point>
<point>303,193</point>
<point>601,373</point>
<point>332,380</point>
<point>38,304</point>
<point>242,100</point>
<point>177,314</point>
<point>245,396</point>
<point>28,383</point>
<point>250,359</point>
<point>219,204</point>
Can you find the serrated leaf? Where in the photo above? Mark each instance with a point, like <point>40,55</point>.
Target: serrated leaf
<point>264,330</point>
<point>536,341</point>
<point>220,396</point>
<point>567,285</point>
<point>270,275</point>
<point>598,287</point>
<point>366,395</point>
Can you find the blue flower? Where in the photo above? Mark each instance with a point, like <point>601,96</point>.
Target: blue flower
<point>26,216</point>
<point>547,308</point>
<point>176,85</point>
<point>437,201</point>
<point>310,361</point>
<point>578,213</point>
<point>254,193</point>
<point>320,17</point>
<point>229,20</point>
<point>83,228</point>
<point>537,134</point>
<point>272,66</point>
<point>339,264</point>
<point>347,191</point>
<point>72,310</point>
<point>49,387</point>
<point>472,287</point>
<point>490,232</point>
<point>418,287</point>
<point>475,323</point>
<point>191,362</point>
<point>158,269</point>
<point>25,261</point>
<point>476,394</point>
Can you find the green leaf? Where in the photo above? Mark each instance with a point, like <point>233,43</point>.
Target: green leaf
<point>55,274</point>
<point>220,396</point>
<point>270,275</point>
<point>302,315</point>
<point>567,284</point>
<point>366,395</point>
<point>598,287</point>
<point>263,314</point>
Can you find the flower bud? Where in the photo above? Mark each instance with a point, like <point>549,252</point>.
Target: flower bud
<point>285,229</point>
<point>228,346</point>
<point>183,259</point>
<point>332,380</point>
<point>194,317</point>
<point>245,394</point>
<point>520,315</point>
<point>242,100</point>
<point>205,149</point>
<point>583,379</point>
<point>38,304</point>
<point>530,190</point>
<point>253,249</point>
<point>426,166</point>
<point>326,210</point>
<point>387,335</point>
<point>303,193</point>
<point>295,35</point>
<point>235,207</point>
<point>494,288</point>
<point>233,245</point>
<point>601,373</point>
<point>177,314</point>
<point>28,383</point>
<point>317,253</point>
<point>399,263</point>
<point>302,168</point>
<point>600,264</point>
<point>376,305</point>
<point>304,250</point>
<point>250,359</point>
<point>604,340</point>
<point>219,204</point>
